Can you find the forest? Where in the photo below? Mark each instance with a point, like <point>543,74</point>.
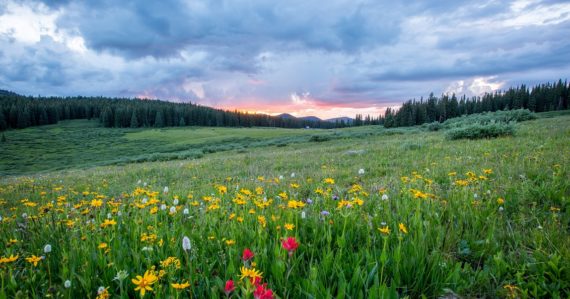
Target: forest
<point>17,111</point>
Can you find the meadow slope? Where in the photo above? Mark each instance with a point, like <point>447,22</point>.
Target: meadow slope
<point>375,215</point>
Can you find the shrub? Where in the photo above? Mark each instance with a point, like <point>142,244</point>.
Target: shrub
<point>434,126</point>
<point>319,138</point>
<point>479,131</point>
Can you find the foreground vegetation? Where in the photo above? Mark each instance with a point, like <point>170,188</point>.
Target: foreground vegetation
<point>411,214</point>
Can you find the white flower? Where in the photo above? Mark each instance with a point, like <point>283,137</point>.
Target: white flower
<point>292,174</point>
<point>384,196</point>
<point>147,248</point>
<point>139,182</point>
<point>47,248</point>
<point>144,200</point>
<point>0,218</point>
<point>165,189</point>
<point>163,207</point>
<point>109,216</point>
<point>172,210</point>
<point>361,171</point>
<point>303,215</point>
<point>186,243</point>
<point>24,215</point>
<point>176,201</point>
<point>121,275</point>
<point>280,177</point>
<point>475,195</point>
<point>539,227</point>
<point>67,284</point>
<point>100,290</point>
<point>501,209</point>
<point>119,213</point>
<point>144,184</point>
<point>186,211</point>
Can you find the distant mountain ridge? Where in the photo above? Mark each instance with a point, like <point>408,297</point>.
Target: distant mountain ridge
<point>346,119</point>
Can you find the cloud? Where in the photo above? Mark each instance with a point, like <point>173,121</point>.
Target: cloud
<point>294,56</point>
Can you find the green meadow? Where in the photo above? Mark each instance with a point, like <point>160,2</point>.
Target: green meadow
<point>376,213</point>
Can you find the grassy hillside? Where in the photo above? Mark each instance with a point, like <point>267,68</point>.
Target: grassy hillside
<point>428,216</point>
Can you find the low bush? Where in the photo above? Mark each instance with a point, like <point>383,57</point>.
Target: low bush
<point>480,131</point>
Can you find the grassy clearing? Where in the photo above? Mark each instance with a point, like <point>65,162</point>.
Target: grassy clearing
<point>477,218</point>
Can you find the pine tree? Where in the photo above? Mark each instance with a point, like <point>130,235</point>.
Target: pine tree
<point>134,120</point>
<point>3,138</point>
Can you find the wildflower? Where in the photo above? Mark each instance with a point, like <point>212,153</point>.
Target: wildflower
<point>186,244</point>
<point>329,181</point>
<point>144,282</point>
<point>230,242</point>
<point>102,245</point>
<point>250,273</point>
<point>247,255</point>
<point>403,228</point>
<point>289,226</point>
<point>103,293</point>
<point>162,207</point>
<point>165,190</point>
<point>361,171</point>
<point>290,244</point>
<point>108,222</point>
<point>47,248</point>
<point>180,286</point>
<point>488,171</point>
<point>230,287</point>
<point>34,260</point>
<point>500,201</point>
<point>186,211</point>
<point>172,210</point>
<point>292,174</point>
<point>121,275</point>
<point>11,259</point>
<point>303,215</point>
<point>262,292</point>
<point>501,209</point>
<point>385,230</point>
<point>67,284</point>
<point>175,202</point>
<point>96,203</point>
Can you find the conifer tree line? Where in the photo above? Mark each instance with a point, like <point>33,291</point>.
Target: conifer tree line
<point>18,112</point>
<point>540,98</point>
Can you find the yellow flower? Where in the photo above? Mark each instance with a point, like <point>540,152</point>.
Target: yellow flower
<point>108,222</point>
<point>103,294</point>
<point>500,201</point>
<point>250,273</point>
<point>289,226</point>
<point>11,259</point>
<point>96,203</point>
<point>102,245</point>
<point>488,171</point>
<point>385,230</point>
<point>239,219</point>
<point>230,242</point>
<point>222,189</point>
<point>403,228</point>
<point>329,181</point>
<point>144,282</point>
<point>293,204</point>
<point>180,286</point>
<point>33,260</point>
<point>262,220</point>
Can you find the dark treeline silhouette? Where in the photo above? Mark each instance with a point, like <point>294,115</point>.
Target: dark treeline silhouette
<point>17,112</point>
<point>540,98</point>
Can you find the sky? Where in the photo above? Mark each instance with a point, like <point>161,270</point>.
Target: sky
<point>323,58</point>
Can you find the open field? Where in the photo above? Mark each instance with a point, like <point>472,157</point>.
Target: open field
<point>426,217</point>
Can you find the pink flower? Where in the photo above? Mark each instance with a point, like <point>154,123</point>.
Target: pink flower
<point>290,244</point>
<point>261,292</point>
<point>230,287</point>
<point>247,255</point>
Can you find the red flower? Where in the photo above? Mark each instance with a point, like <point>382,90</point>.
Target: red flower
<point>247,255</point>
<point>290,244</point>
<point>262,293</point>
<point>230,287</point>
